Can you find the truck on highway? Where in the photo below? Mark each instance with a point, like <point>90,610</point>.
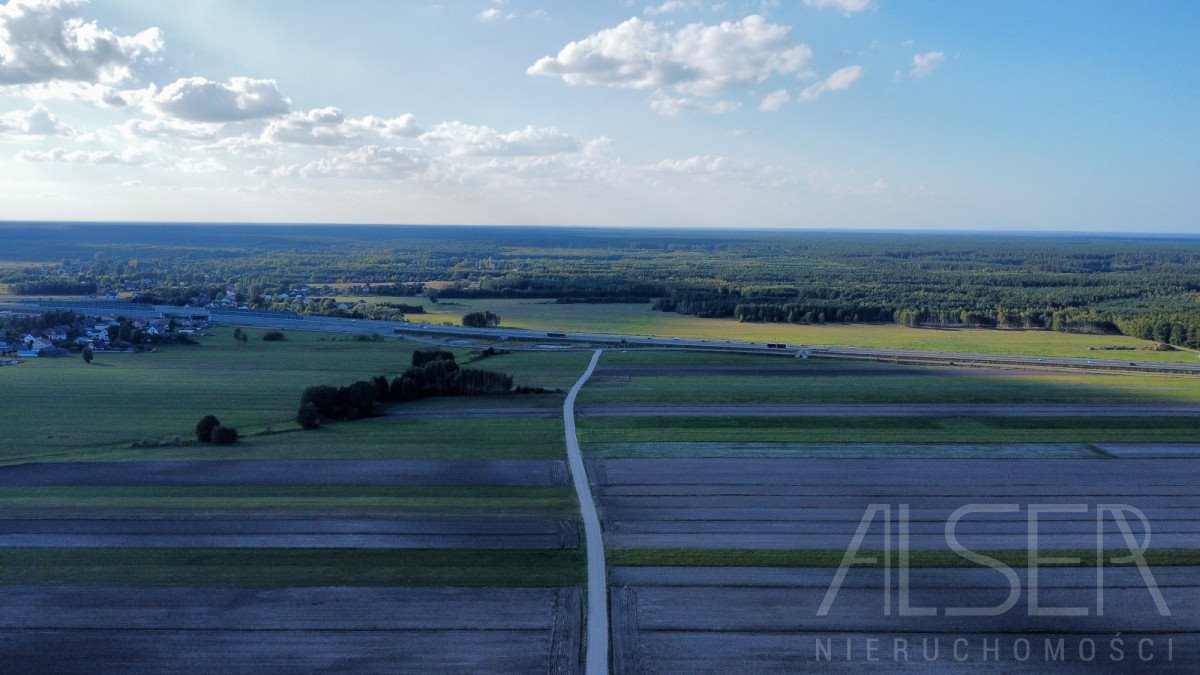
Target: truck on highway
<point>557,335</point>
<point>777,345</point>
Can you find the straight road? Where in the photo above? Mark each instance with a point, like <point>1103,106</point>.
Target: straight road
<point>597,597</point>
<point>290,321</point>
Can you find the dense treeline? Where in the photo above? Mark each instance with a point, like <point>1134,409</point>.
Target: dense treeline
<point>53,287</point>
<point>1142,286</point>
<point>433,373</point>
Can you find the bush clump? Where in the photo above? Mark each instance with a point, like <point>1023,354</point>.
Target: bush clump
<point>204,428</point>
<point>223,435</point>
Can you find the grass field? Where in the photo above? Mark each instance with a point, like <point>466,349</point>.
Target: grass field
<point>889,429</point>
<point>477,502</point>
<point>670,557</point>
<point>55,408</point>
<point>898,385</point>
<point>292,567</point>
<point>639,319</point>
<point>752,451</point>
<point>379,438</point>
<point>61,404</point>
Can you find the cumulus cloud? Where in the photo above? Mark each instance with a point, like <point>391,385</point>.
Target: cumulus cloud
<point>99,95</point>
<point>775,100</point>
<point>469,139</point>
<point>128,157</point>
<point>404,126</point>
<point>323,126</point>
<point>669,7</point>
<point>240,146</point>
<point>37,121</point>
<point>846,6</point>
<point>492,14</point>
<point>924,64</point>
<point>369,161</point>
<point>198,99</point>
<point>329,126</point>
<point>697,59</point>
<point>671,106</point>
<point>170,128</point>
<point>838,80</point>
<point>696,165</point>
<point>45,41</point>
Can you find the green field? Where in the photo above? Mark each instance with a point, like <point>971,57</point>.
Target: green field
<point>475,502</point>
<point>378,438</point>
<point>72,411</point>
<point>64,404</point>
<point>725,557</point>
<point>292,567</point>
<point>825,382</point>
<point>767,450</point>
<point>732,429</point>
<point>56,408</point>
<point>642,320</point>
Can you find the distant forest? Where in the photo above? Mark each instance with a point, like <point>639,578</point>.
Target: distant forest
<point>1142,286</point>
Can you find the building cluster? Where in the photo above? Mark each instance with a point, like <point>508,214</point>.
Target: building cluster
<point>99,334</point>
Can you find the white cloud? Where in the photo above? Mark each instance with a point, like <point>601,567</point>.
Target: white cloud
<point>404,126</point>
<point>369,161</point>
<point>846,6</point>
<point>45,41</point>
<point>838,80</point>
<point>329,126</point>
<point>128,157</point>
<point>492,14</point>
<point>697,59</point>
<point>924,64</point>
<point>671,106</point>
<point>469,139</point>
<point>167,128</point>
<point>669,7</point>
<point>193,165</point>
<point>99,95</point>
<point>697,165</point>
<point>240,146</point>
<point>775,100</point>
<point>201,100</point>
<point>323,126</point>
<point>37,121</point>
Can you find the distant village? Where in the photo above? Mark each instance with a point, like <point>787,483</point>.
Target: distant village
<point>65,333</point>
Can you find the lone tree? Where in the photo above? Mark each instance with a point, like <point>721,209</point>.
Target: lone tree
<point>223,435</point>
<point>308,417</point>
<point>480,320</point>
<point>204,428</point>
<point>237,334</point>
<point>272,336</point>
<point>88,355</point>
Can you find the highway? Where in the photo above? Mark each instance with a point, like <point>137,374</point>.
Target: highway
<point>289,321</point>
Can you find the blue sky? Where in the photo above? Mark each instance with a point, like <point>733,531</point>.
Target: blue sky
<point>805,113</point>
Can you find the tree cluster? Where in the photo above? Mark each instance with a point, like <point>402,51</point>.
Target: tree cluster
<point>210,430</point>
<point>480,320</point>
<point>433,373</point>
